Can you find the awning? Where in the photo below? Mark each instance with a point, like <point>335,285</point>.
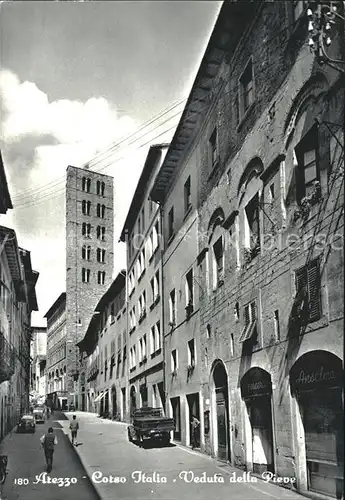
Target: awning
<point>100,396</point>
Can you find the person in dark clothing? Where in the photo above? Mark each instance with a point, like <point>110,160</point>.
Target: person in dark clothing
<point>195,431</point>
<point>48,442</point>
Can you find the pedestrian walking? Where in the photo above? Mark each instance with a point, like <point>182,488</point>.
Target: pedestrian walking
<point>74,426</point>
<point>48,442</point>
<point>195,431</point>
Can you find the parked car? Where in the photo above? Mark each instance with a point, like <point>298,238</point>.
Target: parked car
<point>26,424</point>
<point>39,414</point>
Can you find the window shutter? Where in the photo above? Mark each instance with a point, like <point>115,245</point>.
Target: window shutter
<point>301,280</point>
<point>314,290</point>
<point>246,316</point>
<point>253,311</point>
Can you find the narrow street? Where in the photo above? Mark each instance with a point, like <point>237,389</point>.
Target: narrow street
<point>159,472</point>
<point>26,461</point>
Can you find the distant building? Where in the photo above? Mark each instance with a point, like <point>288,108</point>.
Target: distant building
<point>104,353</point>
<point>57,346</point>
<point>17,301</point>
<point>38,353</point>
<point>142,234</point>
<point>89,258</point>
<point>5,198</point>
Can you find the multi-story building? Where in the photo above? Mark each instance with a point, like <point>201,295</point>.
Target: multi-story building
<point>142,234</point>
<point>104,352</point>
<point>261,137</point>
<point>89,257</point>
<point>57,348</point>
<point>5,197</point>
<point>38,353</point>
<point>17,301</point>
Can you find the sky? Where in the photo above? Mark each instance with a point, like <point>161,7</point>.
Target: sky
<point>91,82</point>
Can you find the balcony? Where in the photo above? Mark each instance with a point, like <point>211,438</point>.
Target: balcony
<point>7,359</point>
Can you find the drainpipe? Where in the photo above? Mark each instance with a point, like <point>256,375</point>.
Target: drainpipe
<point>161,215</point>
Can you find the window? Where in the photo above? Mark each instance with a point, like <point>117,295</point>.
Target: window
<point>213,148</point>
<point>100,210</point>
<point>100,231</point>
<point>218,267</point>
<point>152,340</point>
<point>307,172</point>
<point>141,263</point>
<point>86,252</point>
<point>187,195</point>
<point>246,89</point>
<point>86,207</point>
<point>191,353</point>
<point>86,184</point>
<point>132,320</point>
<point>174,360</point>
<point>85,275</point>
<point>158,335</point>
<point>171,222</point>
<point>189,288</point>
<point>308,288</point>
<point>86,230</point>
<point>250,322</point>
<point>139,225</point>
<point>101,277</point>
<point>100,187</point>
<point>142,305</point>
<point>253,224</point>
<point>100,255</point>
<point>172,306</point>
<point>155,287</point>
<point>276,325</point>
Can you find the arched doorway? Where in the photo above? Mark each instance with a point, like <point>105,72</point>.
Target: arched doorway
<point>221,412</point>
<point>113,401</point>
<point>133,400</point>
<point>316,381</point>
<point>256,391</point>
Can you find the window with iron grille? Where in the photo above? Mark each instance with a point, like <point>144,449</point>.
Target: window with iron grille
<point>308,289</point>
<point>307,168</point>
<point>250,322</point>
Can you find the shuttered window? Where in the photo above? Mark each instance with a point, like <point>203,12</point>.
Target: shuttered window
<point>308,285</point>
<point>250,322</point>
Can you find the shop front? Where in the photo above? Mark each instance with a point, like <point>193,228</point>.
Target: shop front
<point>316,381</point>
<point>256,391</point>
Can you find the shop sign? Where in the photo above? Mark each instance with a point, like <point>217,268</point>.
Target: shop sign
<point>316,370</point>
<point>256,382</point>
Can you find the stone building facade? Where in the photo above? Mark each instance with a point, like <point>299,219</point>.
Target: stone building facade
<point>57,347</point>
<point>262,135</point>
<point>89,257</point>
<point>142,235</point>
<point>38,353</point>
<point>104,352</point>
<point>17,301</point>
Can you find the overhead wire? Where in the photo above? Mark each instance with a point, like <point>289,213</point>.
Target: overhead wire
<point>233,89</point>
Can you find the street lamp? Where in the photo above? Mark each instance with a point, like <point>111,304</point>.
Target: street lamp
<point>322,18</point>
